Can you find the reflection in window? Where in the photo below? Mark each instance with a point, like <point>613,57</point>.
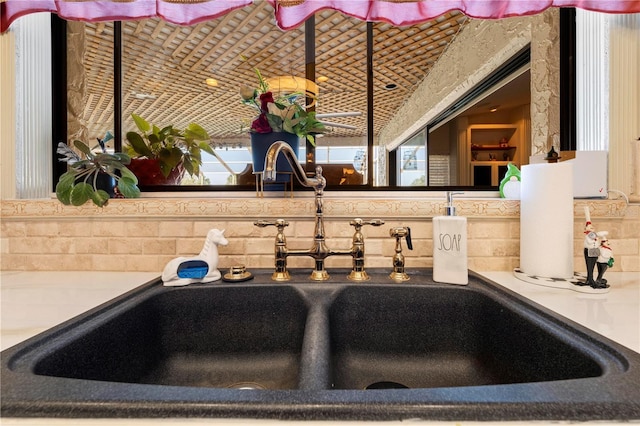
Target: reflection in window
<point>439,170</point>
<point>90,98</point>
<point>412,165</point>
<point>165,70</point>
<point>422,163</point>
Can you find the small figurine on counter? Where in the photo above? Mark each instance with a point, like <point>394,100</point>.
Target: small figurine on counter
<point>202,268</point>
<point>596,252</point>
<point>605,259</point>
<point>552,156</point>
<point>591,252</point>
<point>510,184</point>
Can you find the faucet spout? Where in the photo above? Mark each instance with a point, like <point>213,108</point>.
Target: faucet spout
<point>318,182</point>
<point>319,251</point>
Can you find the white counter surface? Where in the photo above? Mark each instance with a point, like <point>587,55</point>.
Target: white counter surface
<point>32,302</point>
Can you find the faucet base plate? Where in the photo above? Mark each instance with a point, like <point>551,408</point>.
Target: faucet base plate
<point>358,276</point>
<point>319,275</point>
<point>399,276</point>
<point>281,276</point>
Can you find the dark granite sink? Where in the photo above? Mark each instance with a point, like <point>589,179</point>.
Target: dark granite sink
<point>445,338</point>
<point>336,350</point>
<point>201,336</point>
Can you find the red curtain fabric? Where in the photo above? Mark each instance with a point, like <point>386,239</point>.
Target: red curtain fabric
<point>291,13</point>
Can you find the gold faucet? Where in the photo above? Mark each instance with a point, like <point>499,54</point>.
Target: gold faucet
<point>281,273</point>
<point>398,273</point>
<point>319,250</point>
<point>357,249</point>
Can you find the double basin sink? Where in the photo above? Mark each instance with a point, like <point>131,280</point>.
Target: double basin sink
<point>336,350</point>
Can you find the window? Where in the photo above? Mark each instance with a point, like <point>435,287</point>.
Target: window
<point>59,86</point>
<point>164,69</point>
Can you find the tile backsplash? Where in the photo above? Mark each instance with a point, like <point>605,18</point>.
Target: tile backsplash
<point>144,234</point>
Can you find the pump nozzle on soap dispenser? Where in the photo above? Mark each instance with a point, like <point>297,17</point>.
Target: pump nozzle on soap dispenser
<point>450,209</point>
<point>450,246</point>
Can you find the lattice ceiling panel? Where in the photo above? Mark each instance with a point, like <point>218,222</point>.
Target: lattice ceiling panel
<point>165,68</point>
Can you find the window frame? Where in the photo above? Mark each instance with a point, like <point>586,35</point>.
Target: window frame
<point>60,107</point>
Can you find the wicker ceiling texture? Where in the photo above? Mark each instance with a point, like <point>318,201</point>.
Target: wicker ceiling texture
<point>165,67</point>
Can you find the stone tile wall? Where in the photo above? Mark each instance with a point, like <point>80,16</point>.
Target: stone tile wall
<point>144,234</point>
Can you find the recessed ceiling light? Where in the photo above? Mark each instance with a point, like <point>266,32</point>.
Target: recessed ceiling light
<point>143,96</point>
<point>322,79</point>
<point>494,108</point>
<point>390,86</point>
<point>211,82</point>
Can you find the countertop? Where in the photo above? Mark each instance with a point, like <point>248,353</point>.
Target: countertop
<point>32,302</point>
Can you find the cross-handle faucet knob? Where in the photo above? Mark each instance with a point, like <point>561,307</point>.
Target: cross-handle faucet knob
<point>279,223</point>
<point>280,273</point>
<point>398,273</point>
<point>359,223</point>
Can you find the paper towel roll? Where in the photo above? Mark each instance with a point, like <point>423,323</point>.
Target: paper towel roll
<point>546,220</point>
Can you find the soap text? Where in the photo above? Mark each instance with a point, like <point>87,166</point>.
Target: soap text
<point>449,242</point>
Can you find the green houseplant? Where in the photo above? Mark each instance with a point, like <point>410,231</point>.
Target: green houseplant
<point>172,149</point>
<point>94,177</point>
<point>282,113</point>
<point>282,117</point>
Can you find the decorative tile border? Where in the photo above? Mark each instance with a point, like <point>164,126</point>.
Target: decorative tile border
<point>242,208</point>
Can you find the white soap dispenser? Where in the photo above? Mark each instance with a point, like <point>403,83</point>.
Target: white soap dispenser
<point>450,246</point>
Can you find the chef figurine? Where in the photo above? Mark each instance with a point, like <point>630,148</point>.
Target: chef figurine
<point>591,252</point>
<point>596,252</point>
<point>605,259</point>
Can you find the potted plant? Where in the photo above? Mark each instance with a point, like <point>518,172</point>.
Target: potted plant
<point>160,156</point>
<point>279,118</point>
<point>97,177</point>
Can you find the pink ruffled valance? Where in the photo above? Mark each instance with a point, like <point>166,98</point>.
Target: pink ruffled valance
<point>291,13</point>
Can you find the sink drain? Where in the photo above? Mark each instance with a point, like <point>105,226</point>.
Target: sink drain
<point>247,386</point>
<point>386,385</point>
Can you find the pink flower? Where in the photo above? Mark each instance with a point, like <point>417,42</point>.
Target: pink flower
<point>265,99</point>
<point>280,113</point>
<point>261,124</point>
